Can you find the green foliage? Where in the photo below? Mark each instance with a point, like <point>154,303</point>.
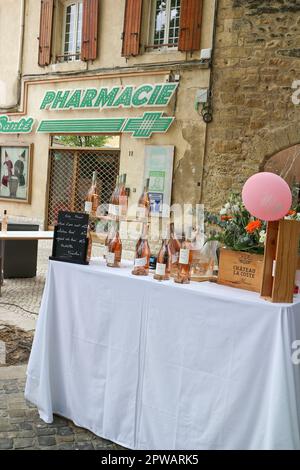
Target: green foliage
<point>82,140</point>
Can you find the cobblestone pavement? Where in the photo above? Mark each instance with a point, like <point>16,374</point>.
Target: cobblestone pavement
<point>20,425</point>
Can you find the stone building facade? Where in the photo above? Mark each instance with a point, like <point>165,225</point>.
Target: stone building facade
<point>256,62</point>
<point>34,61</point>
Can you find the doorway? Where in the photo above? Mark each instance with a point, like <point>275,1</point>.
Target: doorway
<point>71,172</point>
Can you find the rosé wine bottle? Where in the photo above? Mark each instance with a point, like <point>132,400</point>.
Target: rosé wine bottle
<point>142,254</point>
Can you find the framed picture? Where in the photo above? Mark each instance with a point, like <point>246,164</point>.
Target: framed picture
<point>16,173</point>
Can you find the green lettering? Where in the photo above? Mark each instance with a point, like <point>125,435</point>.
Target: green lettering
<point>48,98</point>
<point>74,101</point>
<point>124,98</point>
<point>89,96</point>
<point>60,99</point>
<point>166,94</point>
<point>106,98</point>
<point>137,99</point>
<point>154,94</point>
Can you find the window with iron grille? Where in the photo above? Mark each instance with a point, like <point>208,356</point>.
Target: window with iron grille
<point>71,173</point>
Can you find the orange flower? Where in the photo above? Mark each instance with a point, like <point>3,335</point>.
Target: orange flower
<point>252,226</point>
<point>224,218</point>
<point>291,212</point>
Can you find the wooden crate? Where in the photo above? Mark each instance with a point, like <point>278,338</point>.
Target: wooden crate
<point>281,261</point>
<point>240,269</point>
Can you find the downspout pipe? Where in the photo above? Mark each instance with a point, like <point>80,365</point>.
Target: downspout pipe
<point>211,82</point>
<point>15,106</point>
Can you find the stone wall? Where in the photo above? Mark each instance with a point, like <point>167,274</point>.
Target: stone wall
<point>256,60</point>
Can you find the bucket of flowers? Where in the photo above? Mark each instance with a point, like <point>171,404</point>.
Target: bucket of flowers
<point>241,238</point>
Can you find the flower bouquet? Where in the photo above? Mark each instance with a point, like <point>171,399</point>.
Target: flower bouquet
<point>236,229</point>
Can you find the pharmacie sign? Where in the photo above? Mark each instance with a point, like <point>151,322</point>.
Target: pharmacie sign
<point>110,98</point>
<point>146,95</point>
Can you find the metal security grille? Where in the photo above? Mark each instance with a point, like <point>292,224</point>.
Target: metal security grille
<point>71,175</point>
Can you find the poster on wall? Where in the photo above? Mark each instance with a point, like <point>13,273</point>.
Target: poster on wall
<point>159,169</point>
<point>15,173</point>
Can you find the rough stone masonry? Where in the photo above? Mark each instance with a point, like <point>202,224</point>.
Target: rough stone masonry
<point>256,60</point>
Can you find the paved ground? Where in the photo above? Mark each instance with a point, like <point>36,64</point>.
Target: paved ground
<point>20,425</point>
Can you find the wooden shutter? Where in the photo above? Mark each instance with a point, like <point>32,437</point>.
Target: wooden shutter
<point>132,28</point>
<point>190,25</point>
<point>45,37</point>
<point>90,29</point>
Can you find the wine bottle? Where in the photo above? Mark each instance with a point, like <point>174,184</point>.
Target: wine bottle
<point>123,200</point>
<point>90,244</point>
<point>4,222</point>
<point>183,275</point>
<point>114,252</point>
<point>163,265</point>
<point>109,237</point>
<point>113,208</point>
<point>142,254</point>
<point>143,208</point>
<point>175,246</point>
<point>92,197</point>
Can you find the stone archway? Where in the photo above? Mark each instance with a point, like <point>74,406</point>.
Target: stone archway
<point>286,164</point>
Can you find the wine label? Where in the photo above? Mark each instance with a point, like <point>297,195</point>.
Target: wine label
<point>88,206</point>
<point>113,210</point>
<point>110,258</point>
<point>140,262</point>
<point>141,213</point>
<point>160,269</point>
<point>175,258</point>
<point>184,256</point>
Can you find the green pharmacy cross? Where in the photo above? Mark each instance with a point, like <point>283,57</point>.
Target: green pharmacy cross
<point>150,123</point>
<point>142,127</point>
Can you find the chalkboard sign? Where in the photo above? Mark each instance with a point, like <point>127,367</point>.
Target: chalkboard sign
<point>70,241</point>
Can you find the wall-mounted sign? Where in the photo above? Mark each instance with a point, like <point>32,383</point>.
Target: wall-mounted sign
<point>159,169</point>
<point>23,126</point>
<point>147,95</point>
<point>141,127</point>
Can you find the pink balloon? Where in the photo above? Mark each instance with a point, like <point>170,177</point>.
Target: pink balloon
<point>267,196</point>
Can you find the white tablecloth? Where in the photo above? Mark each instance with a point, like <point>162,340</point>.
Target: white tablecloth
<point>154,365</point>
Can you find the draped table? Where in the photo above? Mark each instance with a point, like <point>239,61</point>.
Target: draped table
<point>153,365</point>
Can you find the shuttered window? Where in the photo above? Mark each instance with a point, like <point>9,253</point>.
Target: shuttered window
<point>132,28</point>
<point>90,29</point>
<point>190,25</point>
<point>45,36</point>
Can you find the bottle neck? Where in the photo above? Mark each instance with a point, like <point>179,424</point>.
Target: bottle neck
<point>146,187</point>
<point>117,227</point>
<point>144,235</point>
<point>94,178</point>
